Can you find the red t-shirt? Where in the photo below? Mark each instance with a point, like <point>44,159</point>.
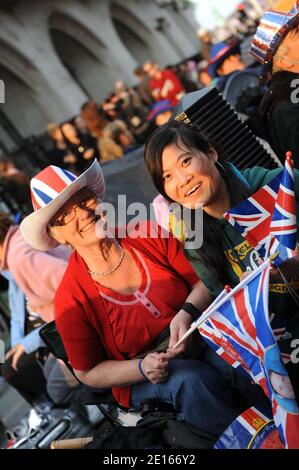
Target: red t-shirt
<point>173,86</point>
<point>136,320</point>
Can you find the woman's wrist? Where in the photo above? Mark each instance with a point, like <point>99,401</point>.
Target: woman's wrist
<point>141,369</point>
<point>189,308</point>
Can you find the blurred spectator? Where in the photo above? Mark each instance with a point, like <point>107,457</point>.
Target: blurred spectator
<point>82,149</point>
<point>8,169</point>
<point>16,184</point>
<point>161,112</point>
<point>80,125</point>
<point>143,88</point>
<point>59,151</point>
<point>206,43</point>
<point>109,149</point>
<point>95,121</point>
<point>183,73</point>
<point>120,134</point>
<point>86,139</point>
<point>165,85</point>
<point>246,23</point>
<point>127,106</point>
<point>225,60</point>
<point>204,77</point>
<point>109,107</point>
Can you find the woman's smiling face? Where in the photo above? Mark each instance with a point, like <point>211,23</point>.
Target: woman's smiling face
<point>190,176</point>
<point>78,221</point>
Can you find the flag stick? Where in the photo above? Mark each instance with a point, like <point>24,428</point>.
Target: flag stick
<point>221,299</point>
<point>194,326</point>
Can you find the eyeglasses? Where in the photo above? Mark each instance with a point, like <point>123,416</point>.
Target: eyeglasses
<point>69,216</point>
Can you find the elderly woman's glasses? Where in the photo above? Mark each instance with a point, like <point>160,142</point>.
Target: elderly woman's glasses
<point>70,215</point>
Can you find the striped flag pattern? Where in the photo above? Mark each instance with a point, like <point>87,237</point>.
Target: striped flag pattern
<point>267,219</point>
<point>241,329</point>
<point>48,184</point>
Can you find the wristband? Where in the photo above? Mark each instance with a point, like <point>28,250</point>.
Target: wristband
<point>141,370</point>
<point>192,310</point>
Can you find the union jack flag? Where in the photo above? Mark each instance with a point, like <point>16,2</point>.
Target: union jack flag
<point>240,331</point>
<point>267,219</point>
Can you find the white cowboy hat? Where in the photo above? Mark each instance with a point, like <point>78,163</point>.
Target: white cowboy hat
<point>50,190</point>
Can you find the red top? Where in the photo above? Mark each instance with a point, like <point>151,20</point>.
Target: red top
<point>169,82</point>
<point>97,323</point>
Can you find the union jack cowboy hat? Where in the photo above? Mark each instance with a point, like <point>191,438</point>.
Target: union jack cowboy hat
<point>273,27</point>
<point>50,190</point>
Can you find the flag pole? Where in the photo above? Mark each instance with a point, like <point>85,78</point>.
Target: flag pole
<point>221,299</point>
<point>194,326</point>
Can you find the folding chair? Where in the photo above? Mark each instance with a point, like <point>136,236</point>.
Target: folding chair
<point>99,397</point>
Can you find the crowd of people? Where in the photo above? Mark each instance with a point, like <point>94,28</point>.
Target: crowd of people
<point>112,128</point>
<point>113,297</point>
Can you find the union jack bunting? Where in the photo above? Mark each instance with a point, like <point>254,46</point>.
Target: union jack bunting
<point>267,219</point>
<point>240,330</point>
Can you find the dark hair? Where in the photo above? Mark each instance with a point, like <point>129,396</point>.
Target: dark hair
<point>212,250</point>
<point>5,224</point>
<point>138,71</point>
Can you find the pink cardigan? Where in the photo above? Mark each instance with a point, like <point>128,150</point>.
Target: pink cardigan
<point>37,273</point>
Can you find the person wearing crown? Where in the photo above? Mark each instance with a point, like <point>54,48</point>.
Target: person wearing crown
<point>276,46</point>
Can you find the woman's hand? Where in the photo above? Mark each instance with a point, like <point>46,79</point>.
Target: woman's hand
<point>155,367</point>
<point>179,325</point>
<point>15,352</point>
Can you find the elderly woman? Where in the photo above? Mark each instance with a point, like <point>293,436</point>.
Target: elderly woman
<point>117,296</point>
<point>185,168</point>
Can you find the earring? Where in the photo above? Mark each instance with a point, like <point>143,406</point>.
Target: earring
<point>220,168</point>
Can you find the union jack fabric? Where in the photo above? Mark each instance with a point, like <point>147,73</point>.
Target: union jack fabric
<point>267,219</point>
<point>240,330</point>
<point>46,186</point>
<point>283,228</point>
<point>251,430</point>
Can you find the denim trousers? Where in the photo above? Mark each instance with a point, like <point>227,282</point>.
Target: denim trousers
<point>204,392</point>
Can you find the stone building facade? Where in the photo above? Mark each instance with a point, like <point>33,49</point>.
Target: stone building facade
<point>57,54</point>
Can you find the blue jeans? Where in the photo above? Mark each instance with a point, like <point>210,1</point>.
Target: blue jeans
<point>201,391</point>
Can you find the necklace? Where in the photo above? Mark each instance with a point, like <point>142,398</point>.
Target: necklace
<point>113,269</point>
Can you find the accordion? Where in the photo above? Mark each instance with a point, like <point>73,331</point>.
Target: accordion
<point>216,119</point>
